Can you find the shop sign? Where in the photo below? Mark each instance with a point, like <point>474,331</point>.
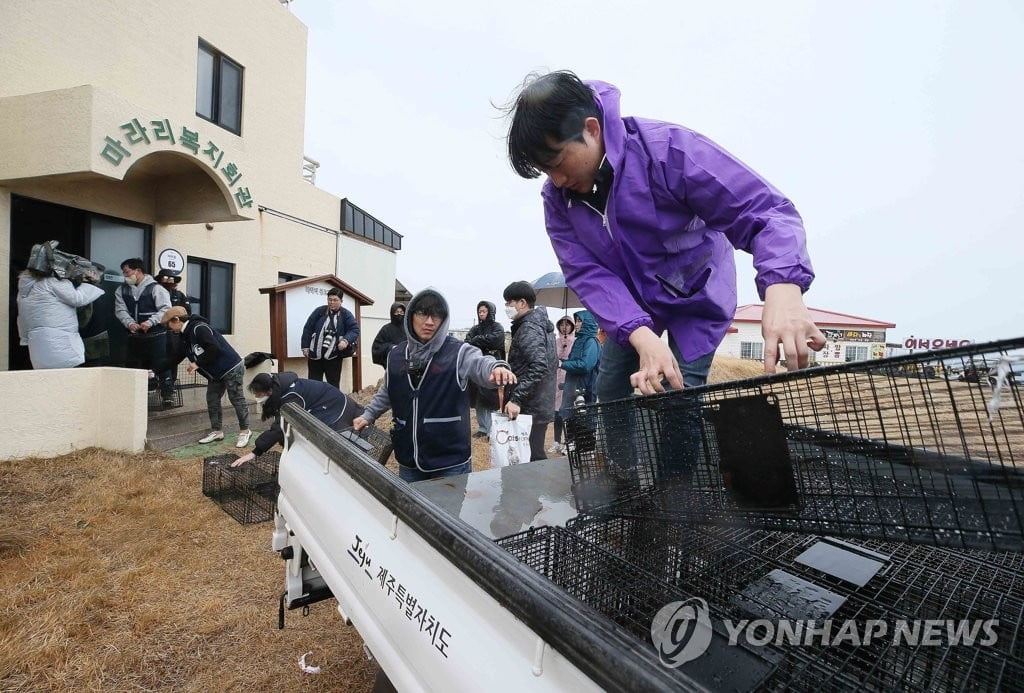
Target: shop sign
<point>939,343</point>
<point>853,335</point>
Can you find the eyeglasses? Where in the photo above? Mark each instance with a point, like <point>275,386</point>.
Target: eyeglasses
<point>428,313</point>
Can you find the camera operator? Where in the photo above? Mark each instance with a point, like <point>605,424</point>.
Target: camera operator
<point>47,313</point>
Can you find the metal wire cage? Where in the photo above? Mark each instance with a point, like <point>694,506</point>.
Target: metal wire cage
<point>247,493</point>
<point>629,569</point>
<point>922,448</point>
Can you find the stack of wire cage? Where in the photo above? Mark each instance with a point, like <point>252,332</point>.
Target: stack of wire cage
<point>885,491</point>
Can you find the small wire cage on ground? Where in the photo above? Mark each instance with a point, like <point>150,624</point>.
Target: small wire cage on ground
<point>247,493</point>
<point>922,448</point>
<point>156,400</point>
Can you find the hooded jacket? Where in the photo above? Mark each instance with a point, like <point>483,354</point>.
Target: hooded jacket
<point>488,335</point>
<point>389,335</point>
<point>532,357</point>
<point>563,346</point>
<point>581,364</point>
<point>661,252</point>
<point>324,401</point>
<point>431,429</point>
<point>48,320</point>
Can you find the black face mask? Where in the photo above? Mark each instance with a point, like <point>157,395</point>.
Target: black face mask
<point>398,318</point>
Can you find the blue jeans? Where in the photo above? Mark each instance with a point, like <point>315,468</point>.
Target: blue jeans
<point>679,443</point>
<point>618,363</point>
<point>411,474</point>
<point>483,420</point>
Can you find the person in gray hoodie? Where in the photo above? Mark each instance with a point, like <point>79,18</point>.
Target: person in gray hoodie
<point>425,385</point>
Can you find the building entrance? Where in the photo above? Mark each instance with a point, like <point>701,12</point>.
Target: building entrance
<point>102,239</point>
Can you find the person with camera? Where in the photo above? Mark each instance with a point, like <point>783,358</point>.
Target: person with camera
<point>48,317</point>
<point>329,335</point>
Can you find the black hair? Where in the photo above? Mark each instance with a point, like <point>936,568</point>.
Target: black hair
<point>134,263</point>
<point>552,107</point>
<point>335,292</point>
<point>262,382</point>
<point>520,290</point>
<point>432,305</point>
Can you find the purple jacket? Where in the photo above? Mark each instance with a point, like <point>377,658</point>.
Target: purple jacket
<point>662,255</point>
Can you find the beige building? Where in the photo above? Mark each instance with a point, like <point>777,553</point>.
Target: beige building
<point>174,132</point>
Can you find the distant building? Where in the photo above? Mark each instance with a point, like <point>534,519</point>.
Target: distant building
<point>850,338</point>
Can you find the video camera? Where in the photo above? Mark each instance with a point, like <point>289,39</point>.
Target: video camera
<point>45,258</point>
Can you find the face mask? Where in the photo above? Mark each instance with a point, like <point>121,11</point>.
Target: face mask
<point>511,312</point>
<point>261,400</point>
<point>130,281</point>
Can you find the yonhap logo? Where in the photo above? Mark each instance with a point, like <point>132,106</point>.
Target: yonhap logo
<point>681,631</point>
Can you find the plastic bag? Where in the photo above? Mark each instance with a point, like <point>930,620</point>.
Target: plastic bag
<point>510,439</point>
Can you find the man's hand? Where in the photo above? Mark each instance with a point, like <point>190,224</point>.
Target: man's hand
<point>144,326</point>
<point>656,362</point>
<point>192,367</point>
<point>502,376</point>
<point>305,352</point>
<point>786,321</point>
<point>359,423</point>
<point>512,410</point>
<point>341,345</point>
<point>133,327</point>
<point>247,457</point>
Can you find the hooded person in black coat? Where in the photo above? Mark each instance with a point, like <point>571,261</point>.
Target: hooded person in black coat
<point>389,335</point>
<point>533,359</point>
<point>488,336</point>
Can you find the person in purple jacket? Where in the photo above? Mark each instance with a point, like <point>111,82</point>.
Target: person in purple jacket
<point>643,216</point>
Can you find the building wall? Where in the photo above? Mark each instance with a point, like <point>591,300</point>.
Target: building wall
<point>73,73</point>
<point>58,411</point>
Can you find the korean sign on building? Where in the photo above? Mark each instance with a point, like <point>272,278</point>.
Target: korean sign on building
<point>136,134</point>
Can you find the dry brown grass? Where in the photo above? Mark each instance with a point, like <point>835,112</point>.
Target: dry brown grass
<point>119,575</point>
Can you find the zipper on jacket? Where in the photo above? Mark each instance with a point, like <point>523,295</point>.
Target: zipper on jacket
<point>604,217</point>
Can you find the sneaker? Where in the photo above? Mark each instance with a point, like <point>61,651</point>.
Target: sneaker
<point>243,439</point>
<point>480,434</point>
<point>556,447</point>
<point>212,436</point>
<point>169,401</point>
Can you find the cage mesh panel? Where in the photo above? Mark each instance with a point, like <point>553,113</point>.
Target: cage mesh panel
<point>628,569</point>
<point>892,450</point>
<point>247,493</point>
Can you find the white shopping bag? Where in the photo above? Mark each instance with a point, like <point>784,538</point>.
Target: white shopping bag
<point>510,439</point>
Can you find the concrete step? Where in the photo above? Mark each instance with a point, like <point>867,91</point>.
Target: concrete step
<point>179,426</point>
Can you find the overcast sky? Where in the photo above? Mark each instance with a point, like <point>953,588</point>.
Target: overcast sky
<point>895,128</point>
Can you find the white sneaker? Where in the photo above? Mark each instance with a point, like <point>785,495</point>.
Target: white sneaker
<point>212,436</point>
<point>243,439</point>
<point>556,448</point>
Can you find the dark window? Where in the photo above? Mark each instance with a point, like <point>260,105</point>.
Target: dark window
<point>219,89</point>
<point>283,277</point>
<point>362,224</point>
<point>211,289</point>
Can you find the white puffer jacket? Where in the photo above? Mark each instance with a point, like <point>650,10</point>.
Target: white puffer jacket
<point>48,322</point>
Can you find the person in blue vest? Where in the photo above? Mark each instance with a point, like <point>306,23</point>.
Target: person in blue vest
<point>139,305</point>
<point>210,354</point>
<point>328,337</point>
<point>273,390</point>
<point>425,386</point>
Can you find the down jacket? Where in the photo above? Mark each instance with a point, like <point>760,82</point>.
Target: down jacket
<point>48,320</point>
<point>532,358</point>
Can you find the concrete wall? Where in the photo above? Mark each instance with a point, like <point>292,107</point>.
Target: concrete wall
<point>54,412</point>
